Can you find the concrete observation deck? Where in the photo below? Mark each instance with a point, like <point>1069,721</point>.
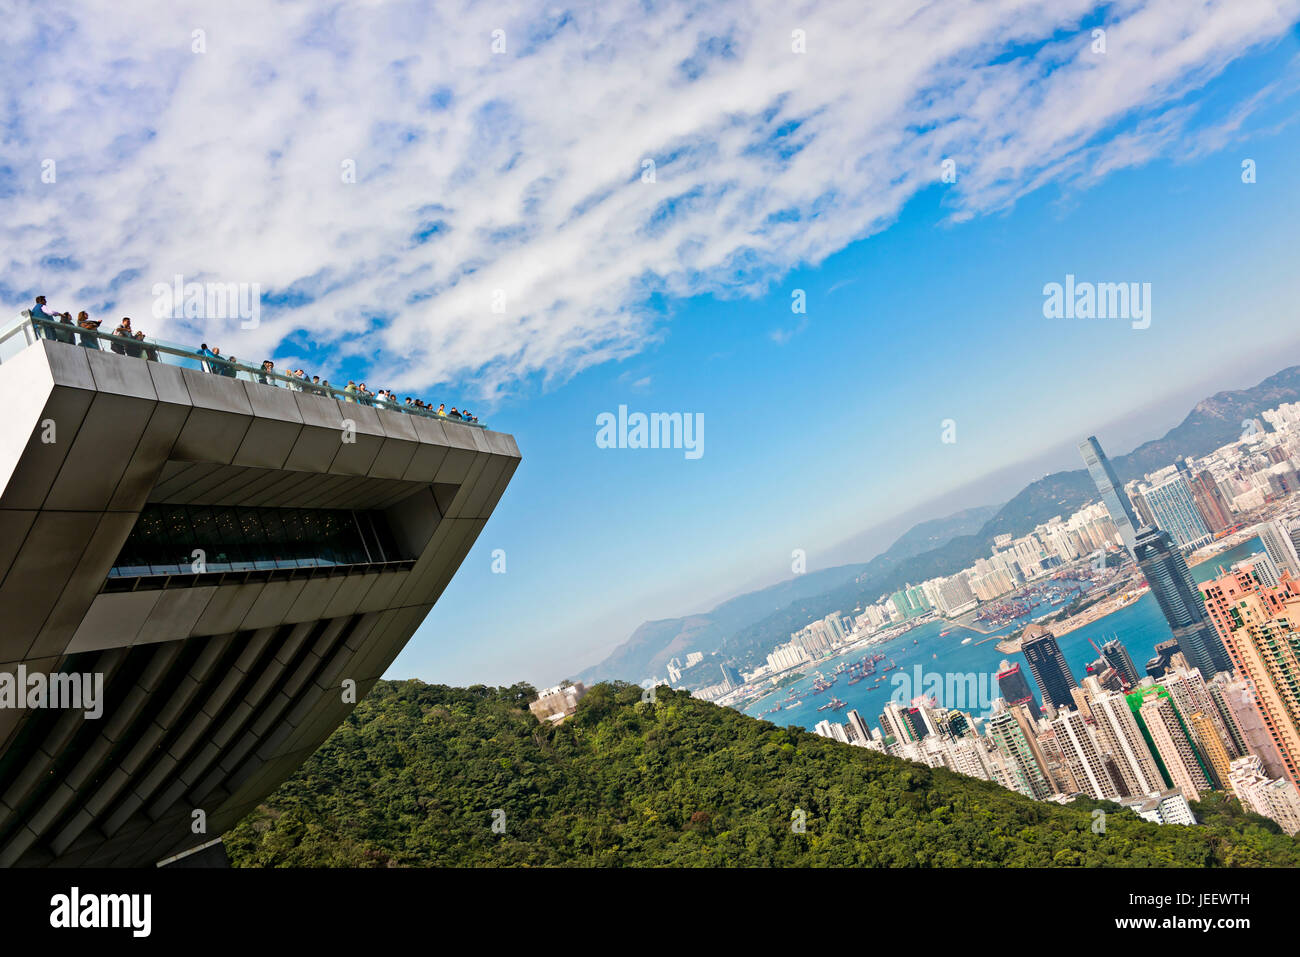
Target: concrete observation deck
<point>219,678</point>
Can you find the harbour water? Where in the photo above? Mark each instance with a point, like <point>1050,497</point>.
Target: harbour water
<point>1139,627</point>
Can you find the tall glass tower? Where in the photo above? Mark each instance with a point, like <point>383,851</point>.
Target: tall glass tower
<point>1165,568</point>
<point>1181,601</point>
<point>1112,491</point>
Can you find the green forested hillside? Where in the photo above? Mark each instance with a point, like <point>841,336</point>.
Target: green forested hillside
<point>414,776</point>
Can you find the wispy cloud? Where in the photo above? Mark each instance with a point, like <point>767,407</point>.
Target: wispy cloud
<point>500,227</point>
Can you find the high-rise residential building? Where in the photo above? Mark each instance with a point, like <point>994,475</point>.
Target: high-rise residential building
<point>1173,746</point>
<point>1122,737</point>
<point>1174,511</point>
<point>1180,601</point>
<point>1081,743</point>
<point>894,723</point>
<point>1025,773</point>
<point>1275,798</point>
<point>1112,492</point>
<point>1279,547</point>
<point>859,725</point>
<point>1048,666</point>
<point>1015,688</point>
<point>1191,693</point>
<point>1219,689</point>
<point>1209,743</point>
<point>833,730</point>
<point>1261,628</point>
<point>1213,504</point>
<point>1117,657</point>
<point>955,596</point>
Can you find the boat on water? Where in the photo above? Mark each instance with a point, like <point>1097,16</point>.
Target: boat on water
<point>834,703</point>
<point>965,641</point>
<point>945,634</point>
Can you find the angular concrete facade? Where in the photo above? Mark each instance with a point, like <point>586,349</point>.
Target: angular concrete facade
<point>217,686</point>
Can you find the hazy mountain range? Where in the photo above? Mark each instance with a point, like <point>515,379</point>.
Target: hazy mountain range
<point>743,629</point>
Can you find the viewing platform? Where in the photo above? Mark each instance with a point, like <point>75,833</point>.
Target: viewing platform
<point>25,331</point>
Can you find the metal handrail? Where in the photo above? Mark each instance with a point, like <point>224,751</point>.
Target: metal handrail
<point>32,328</point>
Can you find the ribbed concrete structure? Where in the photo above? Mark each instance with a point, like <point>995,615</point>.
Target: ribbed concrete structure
<point>220,679</point>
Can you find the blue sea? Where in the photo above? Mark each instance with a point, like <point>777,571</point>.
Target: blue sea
<point>1139,627</point>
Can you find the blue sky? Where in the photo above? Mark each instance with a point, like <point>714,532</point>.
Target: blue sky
<point>828,434</point>
<point>218,146</point>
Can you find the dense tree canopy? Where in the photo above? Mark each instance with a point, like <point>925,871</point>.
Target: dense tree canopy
<point>426,775</point>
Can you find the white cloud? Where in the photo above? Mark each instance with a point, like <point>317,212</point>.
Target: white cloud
<point>526,167</point>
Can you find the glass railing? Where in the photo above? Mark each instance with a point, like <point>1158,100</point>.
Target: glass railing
<point>26,330</point>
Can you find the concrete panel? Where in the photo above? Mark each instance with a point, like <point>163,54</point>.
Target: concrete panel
<point>393,459</point>
<point>356,457</point>
<point>310,604</point>
<point>84,583</point>
<point>28,464</point>
<point>169,383</point>
<point>113,620</point>
<point>14,525</point>
<point>455,466</point>
<point>349,594</point>
<point>145,467</point>
<point>272,604</point>
<point>455,508</point>
<point>479,489</point>
<point>227,609</point>
<point>211,436</point>
<point>48,557</point>
<point>200,485</point>
<point>100,453</point>
<point>235,494</point>
<point>315,447</point>
<point>380,595</point>
<point>114,376</point>
<point>216,392</point>
<point>178,476</point>
<point>175,614</point>
<point>68,364</point>
<point>339,490</point>
<point>460,436</point>
<point>233,487</point>
<point>267,443</point>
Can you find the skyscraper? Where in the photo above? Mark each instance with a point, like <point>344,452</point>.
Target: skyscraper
<point>1261,627</point>
<point>1165,569</point>
<point>1173,746</point>
<point>1119,732</point>
<point>1082,746</point>
<point>1174,510</point>
<point>1180,600</point>
<point>1026,775</point>
<point>1280,548</point>
<point>1112,492</point>
<point>1117,657</point>
<point>1015,688</point>
<point>1048,666</point>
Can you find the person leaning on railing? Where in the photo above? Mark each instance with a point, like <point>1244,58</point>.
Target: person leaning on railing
<point>92,325</point>
<point>125,331</point>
